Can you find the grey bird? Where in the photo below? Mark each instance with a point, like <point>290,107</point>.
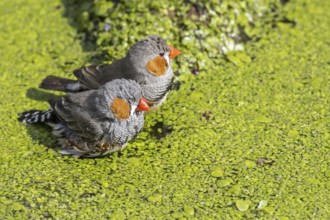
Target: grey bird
<point>94,123</point>
<point>148,62</point>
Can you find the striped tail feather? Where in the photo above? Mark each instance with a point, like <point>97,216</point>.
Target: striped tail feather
<point>37,116</point>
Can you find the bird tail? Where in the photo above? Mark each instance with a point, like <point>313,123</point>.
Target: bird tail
<point>37,116</point>
<point>56,83</point>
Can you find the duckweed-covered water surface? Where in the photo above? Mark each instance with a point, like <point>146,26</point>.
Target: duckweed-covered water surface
<point>243,134</point>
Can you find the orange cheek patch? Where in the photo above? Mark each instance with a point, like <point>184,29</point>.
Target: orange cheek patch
<point>120,108</point>
<point>157,66</point>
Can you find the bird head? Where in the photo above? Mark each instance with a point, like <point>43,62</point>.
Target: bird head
<point>118,106</point>
<point>124,99</point>
<point>152,56</point>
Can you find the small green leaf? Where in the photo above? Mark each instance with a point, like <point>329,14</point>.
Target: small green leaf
<point>269,210</point>
<point>17,206</point>
<point>225,182</point>
<point>262,204</point>
<point>249,164</point>
<point>243,205</point>
<point>217,172</point>
<point>263,119</point>
<point>155,198</point>
<point>189,211</point>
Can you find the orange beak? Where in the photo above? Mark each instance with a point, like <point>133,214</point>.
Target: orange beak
<point>174,52</point>
<point>143,105</point>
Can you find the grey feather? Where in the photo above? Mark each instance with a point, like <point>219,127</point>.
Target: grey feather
<point>86,125</point>
<point>132,66</point>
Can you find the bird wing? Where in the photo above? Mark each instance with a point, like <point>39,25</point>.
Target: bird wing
<point>56,83</point>
<point>72,112</point>
<point>96,75</point>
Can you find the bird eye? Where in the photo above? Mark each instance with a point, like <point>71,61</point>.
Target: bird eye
<point>162,54</point>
